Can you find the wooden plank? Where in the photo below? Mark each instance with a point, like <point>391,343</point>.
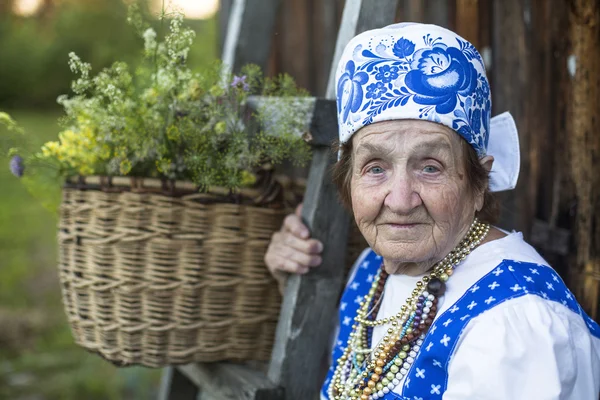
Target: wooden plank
<point>323,32</point>
<point>176,386</point>
<point>224,13</point>
<point>556,190</point>
<point>485,35</point>
<point>510,75</point>
<point>225,381</point>
<point>437,12</point>
<point>424,11</point>
<point>414,10</point>
<point>295,40</point>
<point>583,144</point>
<point>543,85</point>
<point>358,16</point>
<point>467,20</point>
<point>250,33</point>
<point>324,125</point>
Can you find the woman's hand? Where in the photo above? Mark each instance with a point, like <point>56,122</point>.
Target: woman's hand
<point>291,250</point>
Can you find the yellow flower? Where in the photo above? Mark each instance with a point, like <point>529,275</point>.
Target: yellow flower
<point>220,127</point>
<point>86,170</point>
<point>121,152</point>
<point>163,165</point>
<point>125,167</point>
<point>51,149</point>
<point>105,152</point>
<point>216,91</point>
<point>194,90</point>
<point>67,136</point>
<point>248,178</point>
<point>173,133</point>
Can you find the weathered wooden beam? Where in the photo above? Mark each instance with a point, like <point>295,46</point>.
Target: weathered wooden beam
<point>583,143</point>
<point>437,12</point>
<point>425,11</point>
<point>226,381</point>
<point>175,385</point>
<point>467,20</point>
<point>224,13</point>
<point>414,11</point>
<point>359,16</point>
<point>547,81</point>
<point>511,55</point>
<point>323,34</point>
<point>250,33</point>
<point>295,44</point>
<point>323,128</point>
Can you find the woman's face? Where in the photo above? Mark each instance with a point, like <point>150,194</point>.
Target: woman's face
<point>410,195</point>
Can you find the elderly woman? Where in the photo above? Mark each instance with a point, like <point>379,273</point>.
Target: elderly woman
<point>442,305</point>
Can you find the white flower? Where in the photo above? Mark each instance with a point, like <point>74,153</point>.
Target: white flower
<point>149,40</point>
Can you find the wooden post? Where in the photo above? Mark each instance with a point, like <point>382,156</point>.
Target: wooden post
<point>583,141</point>
<point>437,12</point>
<point>295,44</point>
<point>224,12</point>
<point>414,11</point>
<point>547,97</point>
<point>250,33</point>
<point>324,27</point>
<point>510,76</point>
<point>467,21</point>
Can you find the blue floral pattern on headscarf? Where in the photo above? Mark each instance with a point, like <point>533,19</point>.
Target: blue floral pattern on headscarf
<point>349,90</point>
<point>436,78</point>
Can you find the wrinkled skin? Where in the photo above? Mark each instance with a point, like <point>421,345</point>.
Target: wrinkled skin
<point>410,198</point>
<point>410,195</point>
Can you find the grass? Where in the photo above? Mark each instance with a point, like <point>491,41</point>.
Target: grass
<point>38,358</point>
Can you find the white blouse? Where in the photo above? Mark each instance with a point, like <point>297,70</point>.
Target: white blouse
<point>525,348</point>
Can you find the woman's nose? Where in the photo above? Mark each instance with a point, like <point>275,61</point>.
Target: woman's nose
<point>402,196</point>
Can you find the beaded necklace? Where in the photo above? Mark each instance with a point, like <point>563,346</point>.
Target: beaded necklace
<point>366,374</point>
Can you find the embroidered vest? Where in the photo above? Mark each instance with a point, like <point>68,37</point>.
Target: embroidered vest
<point>428,377</point>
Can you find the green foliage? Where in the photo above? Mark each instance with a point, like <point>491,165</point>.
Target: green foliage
<point>166,120</point>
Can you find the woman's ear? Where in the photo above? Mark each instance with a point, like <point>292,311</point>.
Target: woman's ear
<point>486,162</point>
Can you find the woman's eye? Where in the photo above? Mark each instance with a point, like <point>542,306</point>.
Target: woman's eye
<point>430,169</point>
<point>375,170</point>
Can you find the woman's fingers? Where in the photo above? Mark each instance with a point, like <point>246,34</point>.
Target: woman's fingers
<point>298,211</point>
<point>296,263</point>
<point>307,246</point>
<point>286,245</point>
<point>291,250</point>
<point>293,223</point>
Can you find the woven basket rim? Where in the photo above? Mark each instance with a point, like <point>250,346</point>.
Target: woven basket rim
<point>257,196</point>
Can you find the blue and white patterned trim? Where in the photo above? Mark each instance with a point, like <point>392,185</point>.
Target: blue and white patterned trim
<point>509,280</point>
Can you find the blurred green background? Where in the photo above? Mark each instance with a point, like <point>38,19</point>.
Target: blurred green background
<point>38,359</point>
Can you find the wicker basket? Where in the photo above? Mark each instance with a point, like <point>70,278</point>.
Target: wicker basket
<point>158,274</point>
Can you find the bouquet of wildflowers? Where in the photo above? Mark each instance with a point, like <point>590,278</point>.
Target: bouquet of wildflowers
<point>166,121</point>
